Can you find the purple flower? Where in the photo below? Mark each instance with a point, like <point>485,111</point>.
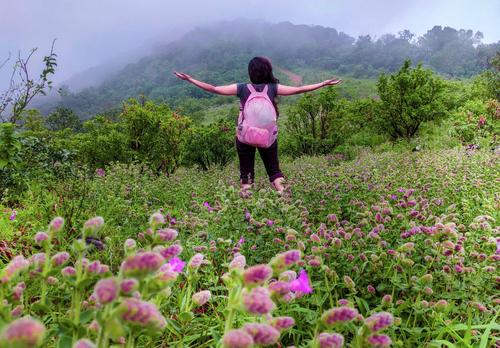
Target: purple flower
<point>167,234</point>
<point>279,288</point>
<point>237,339</point>
<point>60,258</point>
<point>327,340</point>
<point>176,264</point>
<point>379,340</point>
<point>140,313</point>
<point>13,215</point>
<point>379,321</point>
<point>166,274</point>
<point>270,222</point>
<point>156,219</point>
<point>94,224</point>
<point>56,224</point>
<point>302,284</point>
<point>239,262</point>
<point>171,251</point>
<point>106,290</point>
<point>241,241</point>
<point>247,215</point>
<point>129,285</point>
<point>40,237</point>
<point>84,343</point>
<point>339,315</point>
<point>68,271</point>
<point>15,266</point>
<point>24,332</point>
<point>262,334</point>
<point>196,261</point>
<point>201,297</point>
<point>282,323</point>
<point>141,264</point>
<point>258,301</point>
<point>257,275</point>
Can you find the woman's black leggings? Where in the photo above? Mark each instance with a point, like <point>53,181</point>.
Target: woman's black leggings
<point>246,154</point>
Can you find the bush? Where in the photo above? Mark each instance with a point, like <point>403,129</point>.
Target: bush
<point>408,98</point>
<point>207,146</point>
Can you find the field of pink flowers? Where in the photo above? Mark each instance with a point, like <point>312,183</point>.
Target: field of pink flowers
<point>391,249</point>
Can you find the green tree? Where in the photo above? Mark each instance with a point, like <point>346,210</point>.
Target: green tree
<point>408,98</point>
<point>63,118</point>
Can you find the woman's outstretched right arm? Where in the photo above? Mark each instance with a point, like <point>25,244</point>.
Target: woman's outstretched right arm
<point>222,90</point>
<point>289,90</point>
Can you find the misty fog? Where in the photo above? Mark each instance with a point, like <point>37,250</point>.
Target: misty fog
<point>109,34</point>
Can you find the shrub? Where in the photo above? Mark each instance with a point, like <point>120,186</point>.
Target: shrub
<point>408,98</point>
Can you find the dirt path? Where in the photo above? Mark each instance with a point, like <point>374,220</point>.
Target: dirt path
<point>296,79</point>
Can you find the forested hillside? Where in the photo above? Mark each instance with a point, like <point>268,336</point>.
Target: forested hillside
<point>219,54</point>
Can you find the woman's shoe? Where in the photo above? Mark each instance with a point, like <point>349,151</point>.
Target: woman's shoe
<point>278,185</point>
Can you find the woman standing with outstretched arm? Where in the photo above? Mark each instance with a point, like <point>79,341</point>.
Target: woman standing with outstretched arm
<point>262,80</point>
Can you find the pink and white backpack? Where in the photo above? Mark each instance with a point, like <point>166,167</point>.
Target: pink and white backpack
<point>257,121</point>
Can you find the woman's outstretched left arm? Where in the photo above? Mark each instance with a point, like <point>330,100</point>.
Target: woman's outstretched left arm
<point>222,90</point>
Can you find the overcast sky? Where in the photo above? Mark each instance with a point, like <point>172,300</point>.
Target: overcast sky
<point>90,32</point>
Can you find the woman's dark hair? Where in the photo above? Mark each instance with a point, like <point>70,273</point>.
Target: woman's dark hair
<point>260,70</point>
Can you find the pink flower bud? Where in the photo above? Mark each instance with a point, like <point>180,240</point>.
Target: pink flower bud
<point>17,311</point>
<point>327,340</point>
<point>258,301</point>
<point>140,313</point>
<point>141,264</point>
<point>130,245</point>
<point>201,297</point>
<point>84,343</point>
<point>94,224</point>
<point>128,285</point>
<point>339,315</point>
<point>15,266</point>
<point>167,234</point>
<point>171,251</point>
<point>56,224</point>
<point>379,321</point>
<point>196,261</point>
<point>68,271</point>
<point>41,237</point>
<point>60,258</point>
<point>156,219</point>
<point>24,332</point>
<point>239,262</point>
<point>106,290</point>
<point>379,341</point>
<point>282,323</point>
<point>262,334</point>
<point>257,275</point>
<point>237,339</point>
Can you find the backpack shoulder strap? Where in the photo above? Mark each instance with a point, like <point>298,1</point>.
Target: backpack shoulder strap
<point>251,88</point>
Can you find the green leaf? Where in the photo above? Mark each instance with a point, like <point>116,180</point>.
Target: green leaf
<point>65,342</point>
<point>186,316</point>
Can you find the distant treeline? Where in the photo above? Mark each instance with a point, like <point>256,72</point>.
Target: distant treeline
<point>219,54</point>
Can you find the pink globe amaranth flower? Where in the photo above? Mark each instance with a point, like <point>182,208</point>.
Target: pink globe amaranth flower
<point>141,264</point>
<point>18,290</point>
<point>176,264</point>
<point>130,244</point>
<point>258,301</point>
<point>100,172</point>
<point>60,258</point>
<point>84,343</point>
<point>156,219</point>
<point>94,224</point>
<point>167,234</point>
<point>41,237</point>
<point>339,315</point>
<point>282,323</point>
<point>262,334</point>
<point>279,288</point>
<point>201,297</point>
<point>237,339</point>
<point>270,222</point>
<point>52,280</point>
<point>103,269</point>
<point>24,332</point>
<point>441,305</point>
<point>239,262</point>
<point>302,284</point>
<point>370,289</point>
<point>196,261</point>
<point>166,274</point>
<point>13,268</point>
<point>94,326</point>
<point>349,282</point>
<point>56,224</point>
<point>344,302</point>
<point>328,340</point>
<point>106,290</point>
<point>257,275</point>
<point>387,299</point>
<point>129,285</point>
<point>171,251</point>
<point>37,259</point>
<point>332,218</point>
<point>379,321</point>
<point>140,313</point>
<point>379,341</point>
<point>68,271</point>
<point>17,311</point>
<point>94,267</point>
